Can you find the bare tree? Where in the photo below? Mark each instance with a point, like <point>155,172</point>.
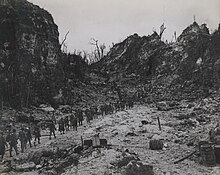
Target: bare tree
<point>65,37</point>
<point>99,50</point>
<point>175,37</point>
<point>162,29</point>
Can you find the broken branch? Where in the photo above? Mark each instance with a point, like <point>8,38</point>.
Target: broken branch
<point>180,160</point>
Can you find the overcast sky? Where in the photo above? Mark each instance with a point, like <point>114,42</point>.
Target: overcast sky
<point>113,20</point>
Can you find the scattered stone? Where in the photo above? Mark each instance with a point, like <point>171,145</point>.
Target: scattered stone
<point>38,167</point>
<point>162,106</point>
<point>123,161</point>
<point>138,168</point>
<point>70,160</point>
<point>39,154</point>
<point>26,167</point>
<point>130,134</point>
<point>144,122</point>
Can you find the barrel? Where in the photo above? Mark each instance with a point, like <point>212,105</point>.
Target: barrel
<point>217,153</point>
<point>208,155</point>
<point>156,144</point>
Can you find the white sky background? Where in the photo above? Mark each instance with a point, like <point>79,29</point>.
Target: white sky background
<point>113,20</point>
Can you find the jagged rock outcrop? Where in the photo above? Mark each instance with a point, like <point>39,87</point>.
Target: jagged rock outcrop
<point>29,53</point>
<point>214,54</point>
<point>189,65</point>
<point>135,55</point>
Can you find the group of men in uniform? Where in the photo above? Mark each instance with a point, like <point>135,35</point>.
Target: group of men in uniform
<point>115,107</point>
<point>76,118</point>
<point>12,137</point>
<point>73,120</point>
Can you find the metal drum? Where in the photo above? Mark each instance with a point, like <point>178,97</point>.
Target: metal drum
<point>208,155</point>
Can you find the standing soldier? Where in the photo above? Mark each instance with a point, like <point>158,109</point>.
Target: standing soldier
<point>37,134</point>
<point>72,116</point>
<point>88,117</point>
<point>94,112</point>
<point>102,110</point>
<point>61,126</point>
<point>67,125</point>
<point>74,123</point>
<point>80,117</point>
<point>52,129</point>
<point>29,136</point>
<point>54,118</point>
<point>23,139</point>
<point>2,145</point>
<point>13,141</point>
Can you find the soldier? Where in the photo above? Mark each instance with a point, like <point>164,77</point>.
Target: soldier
<point>80,116</point>
<point>111,108</point>
<point>66,122</point>
<point>29,136</point>
<point>87,113</point>
<point>54,118</point>
<point>74,123</point>
<point>95,112</point>
<point>52,129</point>
<point>122,105</point>
<point>2,145</point>
<point>61,126</point>
<point>71,119</point>
<point>102,110</point>
<point>13,141</point>
<point>37,134</point>
<point>23,139</point>
<point>130,104</point>
<point>106,109</point>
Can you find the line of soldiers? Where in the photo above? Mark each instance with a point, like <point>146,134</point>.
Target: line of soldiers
<point>12,137</point>
<point>73,120</point>
<point>76,118</point>
<point>115,107</point>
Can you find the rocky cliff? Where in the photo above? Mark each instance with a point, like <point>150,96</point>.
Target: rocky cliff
<point>190,64</point>
<point>135,55</point>
<point>29,52</point>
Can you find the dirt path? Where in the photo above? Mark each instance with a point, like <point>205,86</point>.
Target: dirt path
<point>116,128</point>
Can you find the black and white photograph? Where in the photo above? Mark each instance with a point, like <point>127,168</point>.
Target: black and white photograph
<point>109,87</point>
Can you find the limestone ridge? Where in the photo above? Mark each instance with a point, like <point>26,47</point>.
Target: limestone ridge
<point>29,50</point>
<point>33,70</point>
<point>190,62</point>
<point>135,55</point>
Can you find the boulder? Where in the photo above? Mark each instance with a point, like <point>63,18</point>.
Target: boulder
<point>26,167</point>
<point>124,160</point>
<point>39,154</point>
<point>138,168</point>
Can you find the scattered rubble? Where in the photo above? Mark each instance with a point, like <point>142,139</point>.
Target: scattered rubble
<point>138,168</point>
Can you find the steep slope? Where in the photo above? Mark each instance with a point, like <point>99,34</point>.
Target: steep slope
<point>189,65</point>
<point>135,55</point>
<point>29,51</point>
<point>214,55</point>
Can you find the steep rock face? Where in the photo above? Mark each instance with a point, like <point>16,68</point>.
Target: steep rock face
<point>189,65</point>
<point>29,50</point>
<point>135,55</point>
<point>194,41</point>
<point>214,55</point>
